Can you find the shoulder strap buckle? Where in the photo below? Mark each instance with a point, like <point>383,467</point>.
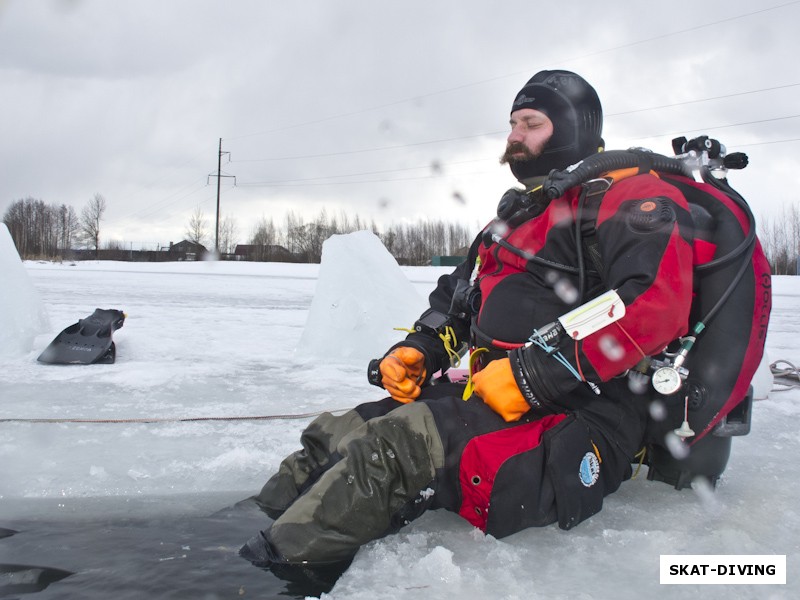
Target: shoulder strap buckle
<point>593,187</point>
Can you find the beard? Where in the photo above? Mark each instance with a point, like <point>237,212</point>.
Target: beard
<point>523,154</point>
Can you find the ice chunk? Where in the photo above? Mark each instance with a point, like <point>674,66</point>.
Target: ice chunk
<point>762,380</point>
<point>361,296</point>
<point>22,314</point>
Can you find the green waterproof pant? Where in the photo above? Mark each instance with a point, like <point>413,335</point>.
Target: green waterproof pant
<point>364,474</point>
<point>352,482</point>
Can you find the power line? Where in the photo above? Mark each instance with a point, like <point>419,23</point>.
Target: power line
<point>323,180</point>
<point>420,97</point>
<point>431,167</point>
<point>375,149</point>
<point>766,143</point>
<point>503,132</point>
<point>159,204</point>
<point>717,127</point>
<point>303,183</point>
<point>682,31</point>
<point>162,179</point>
<point>628,112</point>
<point>314,181</point>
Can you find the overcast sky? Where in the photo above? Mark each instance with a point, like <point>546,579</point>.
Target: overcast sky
<point>388,110</point>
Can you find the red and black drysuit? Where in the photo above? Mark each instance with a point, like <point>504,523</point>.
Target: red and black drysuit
<point>644,237</point>
<point>561,458</point>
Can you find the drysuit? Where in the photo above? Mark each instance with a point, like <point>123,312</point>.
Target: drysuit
<point>367,473</point>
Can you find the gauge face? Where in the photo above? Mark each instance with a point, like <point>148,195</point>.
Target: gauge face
<point>666,381</point>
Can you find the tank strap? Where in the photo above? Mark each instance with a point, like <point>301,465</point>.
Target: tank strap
<point>595,193</point>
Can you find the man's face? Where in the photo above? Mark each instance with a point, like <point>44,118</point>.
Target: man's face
<point>530,131</point>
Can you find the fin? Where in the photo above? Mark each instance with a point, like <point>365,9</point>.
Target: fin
<point>27,579</point>
<point>4,533</point>
<point>86,342</point>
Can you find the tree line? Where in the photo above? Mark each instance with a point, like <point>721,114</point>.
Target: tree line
<point>410,243</point>
<point>416,243</point>
<point>50,231</point>
<point>42,230</point>
<point>780,238</point>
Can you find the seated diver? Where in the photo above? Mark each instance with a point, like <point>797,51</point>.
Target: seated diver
<point>550,427</point>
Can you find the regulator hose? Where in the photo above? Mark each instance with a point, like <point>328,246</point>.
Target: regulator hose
<point>558,182</point>
<point>746,248</point>
<point>750,239</point>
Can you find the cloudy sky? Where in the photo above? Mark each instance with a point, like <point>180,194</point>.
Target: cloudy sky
<point>388,110</point>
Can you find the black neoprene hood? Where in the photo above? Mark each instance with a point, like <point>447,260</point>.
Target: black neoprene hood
<point>577,115</point>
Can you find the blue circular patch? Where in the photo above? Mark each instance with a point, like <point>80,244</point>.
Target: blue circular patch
<point>589,470</point>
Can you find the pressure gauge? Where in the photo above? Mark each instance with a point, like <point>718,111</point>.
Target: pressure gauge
<point>667,380</point>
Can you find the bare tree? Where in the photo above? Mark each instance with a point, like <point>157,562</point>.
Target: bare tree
<point>780,239</point>
<point>91,215</point>
<point>41,230</point>
<point>196,230</point>
<point>228,232</point>
<point>264,238</point>
<point>68,227</point>
<point>294,232</point>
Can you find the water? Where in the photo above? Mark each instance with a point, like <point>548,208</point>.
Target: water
<point>162,555</point>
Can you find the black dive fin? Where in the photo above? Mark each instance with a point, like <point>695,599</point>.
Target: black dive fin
<point>27,579</point>
<point>86,342</point>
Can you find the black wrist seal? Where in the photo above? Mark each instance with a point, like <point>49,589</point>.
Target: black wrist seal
<point>374,372</point>
<point>530,380</point>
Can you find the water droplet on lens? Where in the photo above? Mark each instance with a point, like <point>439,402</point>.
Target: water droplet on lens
<point>657,410</point>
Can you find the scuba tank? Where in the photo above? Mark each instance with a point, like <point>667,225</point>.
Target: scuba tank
<point>700,389</point>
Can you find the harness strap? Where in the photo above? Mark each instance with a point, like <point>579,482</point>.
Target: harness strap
<point>594,190</point>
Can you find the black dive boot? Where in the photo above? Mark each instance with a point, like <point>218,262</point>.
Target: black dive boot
<point>319,576</point>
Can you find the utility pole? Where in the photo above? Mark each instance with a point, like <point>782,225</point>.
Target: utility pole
<point>219,175</point>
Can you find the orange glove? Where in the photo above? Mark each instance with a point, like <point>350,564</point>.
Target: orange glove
<point>402,370</point>
<point>496,385</point>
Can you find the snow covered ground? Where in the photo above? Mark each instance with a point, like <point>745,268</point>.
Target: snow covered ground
<point>223,341</point>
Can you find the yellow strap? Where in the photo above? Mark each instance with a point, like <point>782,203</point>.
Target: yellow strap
<point>640,455</point>
<point>450,342</point>
<point>468,389</point>
<point>406,329</point>
<point>596,452</point>
<point>448,339</point>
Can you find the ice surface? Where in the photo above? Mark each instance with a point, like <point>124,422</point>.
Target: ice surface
<point>220,340</point>
<point>22,314</point>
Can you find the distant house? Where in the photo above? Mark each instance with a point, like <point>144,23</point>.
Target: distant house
<point>263,253</point>
<point>451,260</point>
<point>185,250</point>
